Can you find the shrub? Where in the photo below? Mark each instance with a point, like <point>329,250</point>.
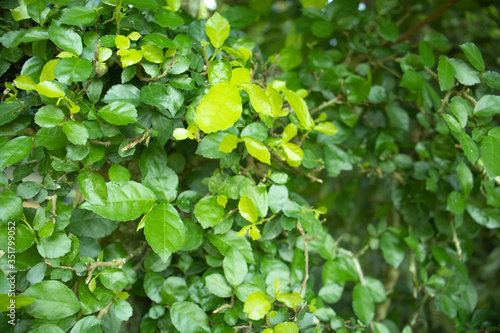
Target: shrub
<point>280,167</point>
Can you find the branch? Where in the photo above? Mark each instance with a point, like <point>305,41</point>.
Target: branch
<point>429,19</point>
<point>113,263</point>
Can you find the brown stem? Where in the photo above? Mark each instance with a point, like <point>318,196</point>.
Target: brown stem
<point>429,19</point>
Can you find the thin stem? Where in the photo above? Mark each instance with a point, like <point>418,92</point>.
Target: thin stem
<point>306,259</point>
<point>456,240</point>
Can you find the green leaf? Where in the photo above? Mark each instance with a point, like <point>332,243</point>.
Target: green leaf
<point>260,101</point>
<point>492,79</point>
<point>300,108</point>
<point>86,324</point>
<point>484,215</point>
<point>188,317</point>
<point>331,293</point>
<point>15,151</point>
<point>257,305</point>
<point>465,178</point>
<point>217,285</point>
<point>54,246</point>
<point>53,301</point>
<point>240,17</point>
<point>119,113</point>
<point>461,109</point>
<point>464,73</point>
<point>168,19</point>
<point>473,55</point>
<point>412,81</point>
<point>235,267</point>
<point>65,38</point>
<point>122,309</point>
<point>469,147</point>
<point>113,278</point>
<point>164,230</point>
<point>452,122</point>
<point>426,54</point>
<point>19,301</point>
<point>380,328</point>
<point>49,116</point>
<point>286,327</point>
<point>388,30</point>
<point>455,203</point>
<point>78,16</point>
<point>257,149</point>
<point>217,29</point>
<point>93,187</point>
<point>24,238</point>
<point>123,93</point>
<point>445,74</point>
<point>392,249</point>
<point>292,300</point>
<point>84,223</point>
<point>75,132</point>
<point>174,289</point>
<point>219,109</point>
<point>152,53</point>
<point>229,143</point>
<point>118,174</point>
<point>219,71</point>
<point>70,70</point>
<point>490,152</point>
<point>124,202</point>
<point>488,105</point>
<point>399,117</point>
<point>362,303</point>
<point>11,207</point>
<point>49,89</point>
<point>247,209</point>
<point>208,211</point>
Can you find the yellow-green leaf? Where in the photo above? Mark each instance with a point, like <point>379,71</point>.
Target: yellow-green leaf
<point>24,82</point>
<point>300,108</point>
<point>219,109</point>
<point>293,153</point>
<point>247,209</point>
<point>65,54</point>
<point>104,54</point>
<point>182,134</point>
<point>152,53</point>
<point>48,70</point>
<point>292,300</point>
<point>217,29</point>
<point>254,232</point>
<point>240,75</point>
<point>122,42</point>
<point>243,231</point>
<point>229,143</point>
<point>289,132</point>
<point>129,57</point>
<point>49,89</point>
<point>257,305</point>
<point>257,150</point>
<point>222,200</point>
<point>286,327</point>
<point>276,102</point>
<point>134,36</point>
<point>258,98</point>
<point>327,128</point>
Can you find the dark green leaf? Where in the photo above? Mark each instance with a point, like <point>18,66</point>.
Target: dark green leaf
<point>473,55</point>
<point>53,300</point>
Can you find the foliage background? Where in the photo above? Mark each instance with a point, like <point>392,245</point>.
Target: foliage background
<point>409,237</point>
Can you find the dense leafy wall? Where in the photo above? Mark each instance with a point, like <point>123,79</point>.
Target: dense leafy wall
<point>332,167</point>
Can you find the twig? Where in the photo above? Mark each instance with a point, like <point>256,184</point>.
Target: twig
<point>456,240</point>
<point>429,19</point>
<point>413,319</point>
<point>326,104</point>
<point>102,143</point>
<point>156,78</point>
<point>105,310</point>
<point>226,306</point>
<point>306,259</point>
<point>46,261</point>
<point>113,263</point>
